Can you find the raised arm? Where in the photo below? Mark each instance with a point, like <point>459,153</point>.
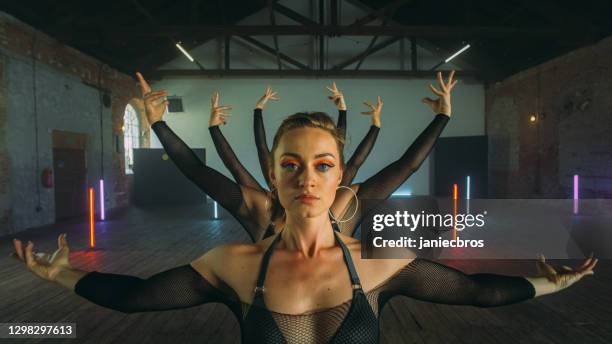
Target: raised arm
<point>240,201</point>
<point>429,281</point>
<point>176,288</point>
<point>218,116</point>
<point>381,185</point>
<point>263,152</point>
<point>365,146</point>
<point>338,99</point>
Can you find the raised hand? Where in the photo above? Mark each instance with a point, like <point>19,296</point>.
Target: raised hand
<point>443,103</point>
<point>337,97</point>
<point>218,114</point>
<point>375,111</point>
<point>44,265</point>
<point>564,276</point>
<point>269,95</point>
<point>155,105</point>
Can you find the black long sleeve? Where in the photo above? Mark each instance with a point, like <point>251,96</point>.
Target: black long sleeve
<point>213,183</point>
<point>360,155</point>
<point>176,288</point>
<point>225,151</point>
<point>382,184</point>
<point>341,124</point>
<point>429,281</point>
<point>263,152</point>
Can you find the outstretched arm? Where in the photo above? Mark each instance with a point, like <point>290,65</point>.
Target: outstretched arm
<point>263,152</point>
<point>176,288</point>
<point>429,281</point>
<point>218,116</point>
<point>365,146</point>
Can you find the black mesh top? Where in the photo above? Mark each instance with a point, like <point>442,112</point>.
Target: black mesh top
<point>353,321</point>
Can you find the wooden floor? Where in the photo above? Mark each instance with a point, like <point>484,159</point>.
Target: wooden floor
<point>144,241</point>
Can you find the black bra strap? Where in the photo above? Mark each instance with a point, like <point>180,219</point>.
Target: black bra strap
<point>356,283</point>
<point>333,222</point>
<point>264,266</point>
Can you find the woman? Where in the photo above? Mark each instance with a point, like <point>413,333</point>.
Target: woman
<point>243,177</point>
<point>318,288</point>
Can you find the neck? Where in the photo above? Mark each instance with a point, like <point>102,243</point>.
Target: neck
<point>308,235</point>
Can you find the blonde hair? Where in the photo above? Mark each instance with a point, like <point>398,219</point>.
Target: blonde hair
<point>318,120</point>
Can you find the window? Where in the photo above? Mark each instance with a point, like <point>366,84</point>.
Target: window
<point>131,137</point>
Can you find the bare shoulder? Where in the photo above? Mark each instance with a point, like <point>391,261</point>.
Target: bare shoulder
<point>373,272</point>
<point>231,265</point>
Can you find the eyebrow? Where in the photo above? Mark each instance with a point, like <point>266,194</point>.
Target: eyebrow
<point>316,156</point>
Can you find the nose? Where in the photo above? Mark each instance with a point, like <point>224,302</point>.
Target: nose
<point>307,179</point>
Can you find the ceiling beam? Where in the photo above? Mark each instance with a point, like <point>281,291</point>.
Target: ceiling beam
<point>387,74</point>
<point>459,32</point>
<point>368,52</point>
<point>273,51</point>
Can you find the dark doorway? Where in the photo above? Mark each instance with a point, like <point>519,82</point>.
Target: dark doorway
<point>70,174</point>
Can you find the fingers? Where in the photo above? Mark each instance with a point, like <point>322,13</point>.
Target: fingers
<point>144,86</point>
<point>368,113</point>
<point>435,90</point>
<point>366,103</point>
<point>440,81</point>
<point>154,97</point>
<point>379,101</point>
<point>214,100</point>
<point>450,77</point>
<point>29,256</point>
<point>428,101</point>
<point>18,249</point>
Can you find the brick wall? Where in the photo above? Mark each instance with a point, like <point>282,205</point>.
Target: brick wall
<point>570,95</point>
<point>16,42</point>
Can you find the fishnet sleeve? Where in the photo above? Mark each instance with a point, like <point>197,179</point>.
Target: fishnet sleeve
<point>262,146</point>
<point>381,185</point>
<point>429,281</point>
<point>216,185</point>
<point>180,287</point>
<point>360,155</point>
<point>341,124</point>
<point>225,151</point>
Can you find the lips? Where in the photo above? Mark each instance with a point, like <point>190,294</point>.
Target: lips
<point>307,198</point>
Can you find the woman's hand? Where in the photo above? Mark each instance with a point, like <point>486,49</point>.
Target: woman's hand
<point>218,114</point>
<point>375,111</point>
<point>555,279</point>
<point>44,265</point>
<point>564,276</point>
<point>337,97</point>
<point>154,105</point>
<point>443,103</point>
<point>270,95</point>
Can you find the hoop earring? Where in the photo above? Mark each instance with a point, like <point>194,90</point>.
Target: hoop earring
<point>268,205</point>
<point>354,212</point>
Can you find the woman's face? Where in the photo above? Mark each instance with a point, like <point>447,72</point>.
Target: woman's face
<point>307,170</point>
